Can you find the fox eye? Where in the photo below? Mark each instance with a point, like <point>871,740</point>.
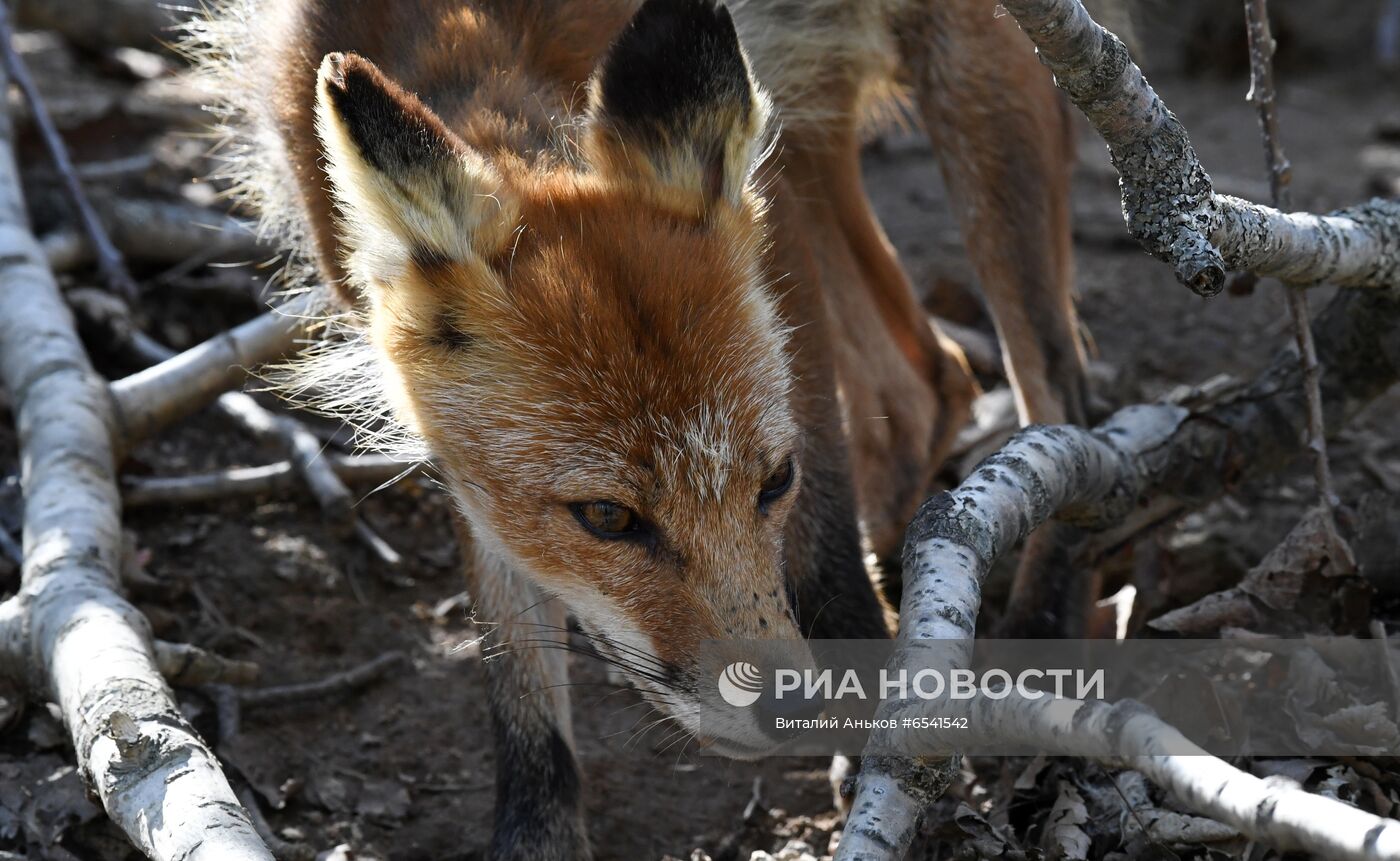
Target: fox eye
<point>776,484</point>
<point>607,520</point>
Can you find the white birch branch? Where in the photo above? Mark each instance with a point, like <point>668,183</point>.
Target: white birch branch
<point>162,394</point>
<point>68,634</point>
<point>1145,464</point>
<point>1128,735</point>
<point>948,550</point>
<point>1168,201</point>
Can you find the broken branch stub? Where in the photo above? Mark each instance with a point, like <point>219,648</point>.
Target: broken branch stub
<point>1169,203</point>
<point>68,634</point>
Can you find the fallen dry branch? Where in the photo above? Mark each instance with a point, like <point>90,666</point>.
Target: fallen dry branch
<point>1261,428</point>
<point>1146,464</point>
<point>315,469</point>
<point>307,458</point>
<point>273,478</point>
<point>301,446</point>
<point>308,461</point>
<point>162,232</point>
<point>68,635</point>
<point>109,259</point>
<point>283,432</point>
<point>1169,203</point>
<point>339,683</point>
<point>1126,734</point>
<point>162,394</point>
<point>101,24</point>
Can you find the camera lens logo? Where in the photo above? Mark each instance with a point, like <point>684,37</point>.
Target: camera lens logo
<point>741,684</point>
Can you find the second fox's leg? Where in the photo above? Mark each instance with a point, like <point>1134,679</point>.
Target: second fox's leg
<point>831,588</point>
<point>906,393</point>
<point>538,802</point>
<point>1005,146</point>
<point>830,585</point>
<point>1006,149</point>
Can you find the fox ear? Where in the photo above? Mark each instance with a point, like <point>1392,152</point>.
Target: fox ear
<point>673,103</point>
<point>405,186</point>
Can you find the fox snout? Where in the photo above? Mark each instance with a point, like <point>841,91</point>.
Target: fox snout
<point>738,709</point>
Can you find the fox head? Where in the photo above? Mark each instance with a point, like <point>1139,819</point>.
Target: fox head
<point>586,345</point>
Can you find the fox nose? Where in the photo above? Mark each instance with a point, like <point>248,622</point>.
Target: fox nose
<point>781,717</point>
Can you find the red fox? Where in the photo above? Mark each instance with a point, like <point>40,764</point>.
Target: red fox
<point>609,263</point>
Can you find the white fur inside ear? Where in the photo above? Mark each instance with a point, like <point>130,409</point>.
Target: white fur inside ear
<point>749,145</point>
<point>452,206</point>
<point>683,158</point>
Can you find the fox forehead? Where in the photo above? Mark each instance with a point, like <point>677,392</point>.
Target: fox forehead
<point>641,463</point>
<point>617,347</point>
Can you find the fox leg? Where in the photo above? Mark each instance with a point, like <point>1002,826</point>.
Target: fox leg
<point>1005,146</point>
<point>830,587</point>
<point>906,392</point>
<point>538,804</point>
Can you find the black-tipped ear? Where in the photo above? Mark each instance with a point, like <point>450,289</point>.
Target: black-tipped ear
<point>391,127</point>
<point>675,86</point>
<point>675,59</point>
<point>405,186</point>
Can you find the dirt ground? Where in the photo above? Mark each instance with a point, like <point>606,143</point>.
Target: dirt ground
<point>403,769</point>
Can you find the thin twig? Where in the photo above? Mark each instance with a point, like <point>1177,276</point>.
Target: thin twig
<point>273,478</point>
<point>109,259</point>
<point>382,550</point>
<point>349,680</point>
<point>1262,94</point>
